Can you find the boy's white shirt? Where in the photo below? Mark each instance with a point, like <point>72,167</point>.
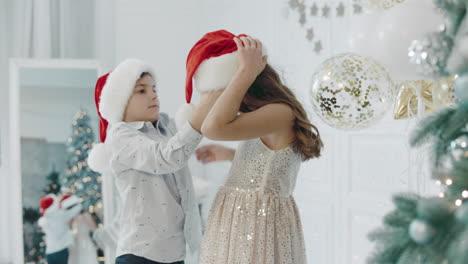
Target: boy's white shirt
<point>159,212</point>
<point>55,224</point>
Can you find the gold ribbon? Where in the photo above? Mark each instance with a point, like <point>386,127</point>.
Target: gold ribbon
<point>425,95</point>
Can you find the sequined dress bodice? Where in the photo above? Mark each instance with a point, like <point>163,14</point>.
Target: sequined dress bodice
<point>257,168</point>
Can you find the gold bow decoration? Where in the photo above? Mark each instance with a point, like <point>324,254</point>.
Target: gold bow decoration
<point>425,95</point>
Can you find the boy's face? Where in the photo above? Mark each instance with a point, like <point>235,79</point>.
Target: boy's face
<point>143,105</point>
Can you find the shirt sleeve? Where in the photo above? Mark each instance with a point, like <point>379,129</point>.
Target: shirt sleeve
<point>107,234</point>
<point>104,237</point>
<point>133,150</point>
<point>72,212</point>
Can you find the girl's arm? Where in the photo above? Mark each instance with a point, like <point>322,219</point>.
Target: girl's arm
<point>223,121</point>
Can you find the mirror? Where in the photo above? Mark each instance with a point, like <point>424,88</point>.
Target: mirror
<point>57,125</point>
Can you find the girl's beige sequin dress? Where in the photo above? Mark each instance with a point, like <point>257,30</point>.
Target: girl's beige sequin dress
<point>254,218</point>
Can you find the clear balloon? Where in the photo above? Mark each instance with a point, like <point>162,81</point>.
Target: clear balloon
<point>421,231</point>
<point>378,4</point>
<point>351,92</point>
<point>386,34</point>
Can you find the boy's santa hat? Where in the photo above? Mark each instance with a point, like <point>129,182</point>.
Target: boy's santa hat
<point>46,202</point>
<point>69,201</point>
<point>111,95</point>
<point>211,64</point>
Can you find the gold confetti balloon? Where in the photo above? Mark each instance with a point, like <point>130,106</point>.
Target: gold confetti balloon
<point>351,92</point>
<point>379,4</point>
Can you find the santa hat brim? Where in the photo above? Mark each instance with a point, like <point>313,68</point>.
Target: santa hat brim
<point>216,73</point>
<point>70,201</point>
<point>212,74</point>
<point>119,88</point>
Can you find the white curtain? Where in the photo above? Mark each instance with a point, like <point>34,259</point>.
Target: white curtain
<point>51,28</point>
<point>36,29</point>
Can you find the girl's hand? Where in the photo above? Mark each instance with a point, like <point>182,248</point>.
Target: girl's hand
<point>211,153</point>
<point>251,60</point>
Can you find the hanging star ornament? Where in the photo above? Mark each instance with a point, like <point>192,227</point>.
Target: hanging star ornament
<point>302,7</point>
<point>310,34</point>
<point>314,10</point>
<point>357,8</point>
<point>293,3</point>
<point>302,19</point>
<point>318,46</point>
<point>325,11</point>
<point>302,13</point>
<point>340,10</point>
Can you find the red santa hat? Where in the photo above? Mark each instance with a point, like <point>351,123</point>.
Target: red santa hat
<point>111,95</point>
<point>211,64</point>
<point>46,202</point>
<point>69,200</point>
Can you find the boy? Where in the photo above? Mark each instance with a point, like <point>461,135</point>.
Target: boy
<point>148,157</point>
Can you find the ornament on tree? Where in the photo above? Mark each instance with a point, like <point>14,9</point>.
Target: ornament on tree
<point>458,148</point>
<point>431,54</point>
<point>421,231</point>
<point>350,91</point>
<point>98,209</point>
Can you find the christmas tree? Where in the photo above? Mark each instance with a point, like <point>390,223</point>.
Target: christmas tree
<point>34,245</point>
<point>434,230</point>
<point>53,183</point>
<point>79,179</point>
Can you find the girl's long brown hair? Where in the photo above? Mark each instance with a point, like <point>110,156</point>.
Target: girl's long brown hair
<point>268,89</point>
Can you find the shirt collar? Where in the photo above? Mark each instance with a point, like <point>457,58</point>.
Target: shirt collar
<point>141,124</point>
<point>137,125</point>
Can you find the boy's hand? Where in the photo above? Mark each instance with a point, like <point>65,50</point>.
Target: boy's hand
<point>210,97</point>
<point>212,153</point>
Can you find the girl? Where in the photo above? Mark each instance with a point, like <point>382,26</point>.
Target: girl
<point>254,218</point>
<point>83,250</point>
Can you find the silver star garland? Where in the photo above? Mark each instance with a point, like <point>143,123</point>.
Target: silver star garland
<point>310,34</point>
<point>325,11</point>
<point>314,10</point>
<point>340,10</point>
<point>357,9</point>
<point>318,46</point>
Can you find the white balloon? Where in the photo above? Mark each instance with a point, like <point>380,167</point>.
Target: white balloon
<point>385,35</point>
<point>351,92</point>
